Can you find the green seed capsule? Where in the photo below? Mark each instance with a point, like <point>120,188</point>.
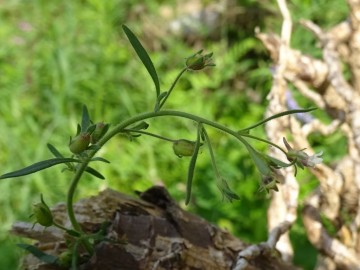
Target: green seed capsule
<point>65,258</point>
<point>42,214</point>
<point>80,143</point>
<point>184,148</point>
<point>199,61</point>
<point>99,132</point>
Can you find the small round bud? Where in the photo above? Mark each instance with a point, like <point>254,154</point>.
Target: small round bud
<point>184,148</point>
<point>65,258</point>
<point>80,143</point>
<point>42,214</point>
<point>199,61</point>
<point>99,132</point>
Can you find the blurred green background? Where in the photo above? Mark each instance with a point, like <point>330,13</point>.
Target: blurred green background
<point>57,55</point>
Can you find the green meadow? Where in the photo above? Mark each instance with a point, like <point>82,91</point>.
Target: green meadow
<point>56,56</point>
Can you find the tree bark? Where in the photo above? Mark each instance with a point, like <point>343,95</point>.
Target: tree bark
<point>151,232</point>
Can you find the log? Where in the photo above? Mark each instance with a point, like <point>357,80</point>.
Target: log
<point>149,232</point>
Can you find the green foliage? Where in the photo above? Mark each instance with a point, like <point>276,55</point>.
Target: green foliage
<point>57,56</point>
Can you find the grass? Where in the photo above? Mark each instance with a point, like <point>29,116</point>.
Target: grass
<point>57,56</point>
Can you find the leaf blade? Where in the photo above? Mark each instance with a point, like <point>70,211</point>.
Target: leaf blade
<point>38,166</point>
<point>258,159</point>
<point>144,57</point>
<point>192,165</point>
<point>54,151</point>
<point>95,173</point>
<point>47,258</point>
<point>85,120</point>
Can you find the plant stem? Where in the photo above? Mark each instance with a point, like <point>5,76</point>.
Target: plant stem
<point>149,134</point>
<point>120,128</point>
<point>172,87</point>
<point>276,116</point>
<point>263,140</point>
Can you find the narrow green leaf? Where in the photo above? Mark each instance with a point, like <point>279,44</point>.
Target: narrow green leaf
<point>54,151</point>
<point>192,165</point>
<point>85,120</point>
<point>78,130</point>
<point>258,159</point>
<point>93,147</point>
<point>74,260</point>
<point>90,129</point>
<point>47,258</point>
<point>279,163</point>
<point>100,159</point>
<point>94,172</point>
<point>140,126</point>
<point>226,191</point>
<point>73,233</point>
<point>38,167</point>
<point>274,117</point>
<point>144,57</point>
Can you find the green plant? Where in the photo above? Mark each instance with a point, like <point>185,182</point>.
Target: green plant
<point>92,136</point>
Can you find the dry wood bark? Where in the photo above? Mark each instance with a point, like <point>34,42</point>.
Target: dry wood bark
<point>323,82</point>
<point>153,232</point>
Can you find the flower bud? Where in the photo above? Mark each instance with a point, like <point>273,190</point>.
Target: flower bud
<point>80,143</point>
<point>42,214</point>
<point>65,258</point>
<point>184,147</point>
<point>199,61</point>
<point>99,132</point>
<point>302,159</point>
<point>268,182</point>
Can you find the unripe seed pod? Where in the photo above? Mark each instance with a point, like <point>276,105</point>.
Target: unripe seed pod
<point>42,214</point>
<point>195,63</point>
<point>99,132</point>
<point>199,61</point>
<point>65,258</point>
<point>80,143</point>
<point>184,147</point>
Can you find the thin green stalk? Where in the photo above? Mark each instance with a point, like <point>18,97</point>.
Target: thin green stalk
<point>149,134</point>
<point>263,140</point>
<point>211,152</point>
<point>120,128</point>
<point>276,116</point>
<point>172,87</point>
<point>192,165</point>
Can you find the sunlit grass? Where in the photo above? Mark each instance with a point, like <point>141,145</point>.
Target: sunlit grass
<point>56,56</point>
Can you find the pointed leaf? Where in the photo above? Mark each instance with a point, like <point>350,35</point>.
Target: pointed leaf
<point>258,159</point>
<point>226,191</point>
<point>192,166</point>
<point>73,233</point>
<point>274,117</point>
<point>38,167</point>
<point>93,147</point>
<point>100,159</point>
<point>144,57</point>
<point>278,163</point>
<point>85,121</point>
<point>78,130</point>
<point>141,126</point>
<point>91,129</point>
<point>94,172</point>
<point>47,258</point>
<point>54,151</point>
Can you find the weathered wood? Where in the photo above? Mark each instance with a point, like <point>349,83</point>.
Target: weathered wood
<point>152,232</point>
